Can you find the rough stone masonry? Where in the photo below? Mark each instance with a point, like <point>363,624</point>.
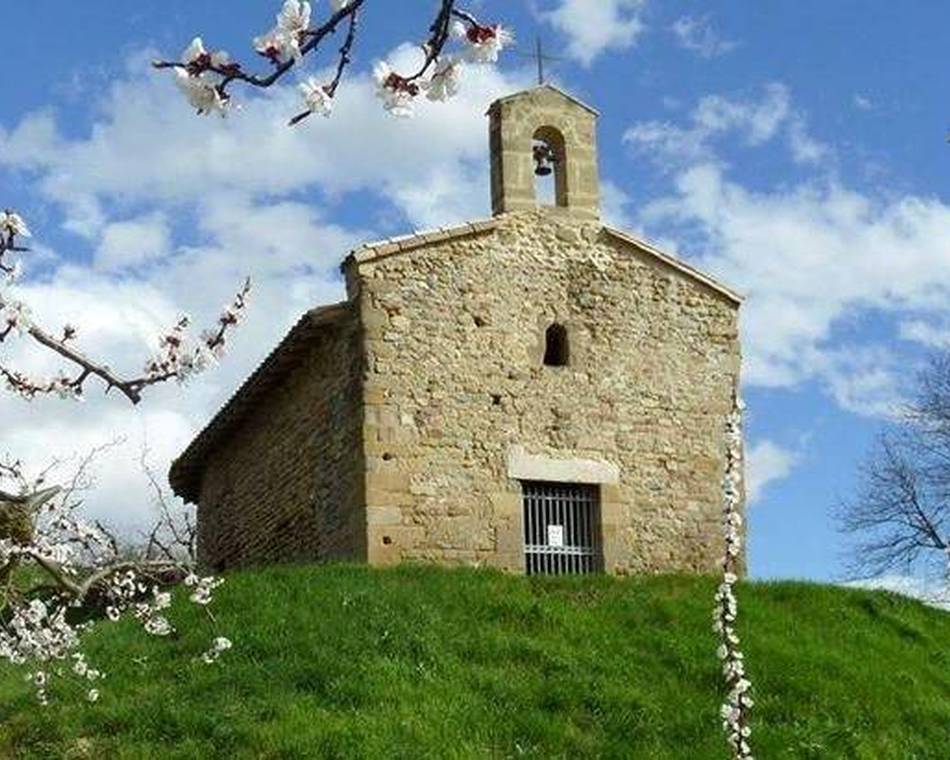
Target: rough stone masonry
<point>402,423</point>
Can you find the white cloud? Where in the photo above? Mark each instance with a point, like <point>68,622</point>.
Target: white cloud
<point>716,117</point>
<point>698,36</point>
<point>614,205</point>
<point>215,200</point>
<point>866,380</point>
<point>815,257</point>
<point>668,143</point>
<point>133,242</point>
<point>593,28</point>
<point>767,463</point>
<point>933,592</point>
<point>862,102</point>
<point>932,334</point>
<point>812,258</point>
<point>253,152</point>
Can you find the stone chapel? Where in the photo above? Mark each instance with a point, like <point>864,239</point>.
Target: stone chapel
<point>537,392</point>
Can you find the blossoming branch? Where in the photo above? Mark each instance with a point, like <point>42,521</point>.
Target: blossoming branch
<point>179,356</point>
<point>205,76</point>
<point>735,710</point>
<point>84,578</point>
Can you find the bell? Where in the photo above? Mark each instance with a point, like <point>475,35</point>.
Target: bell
<point>544,157</point>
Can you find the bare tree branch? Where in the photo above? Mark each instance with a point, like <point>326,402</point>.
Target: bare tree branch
<point>901,511</point>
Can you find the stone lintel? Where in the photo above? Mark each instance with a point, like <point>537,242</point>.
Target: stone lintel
<point>525,466</point>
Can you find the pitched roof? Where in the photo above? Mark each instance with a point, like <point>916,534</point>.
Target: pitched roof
<point>391,246</point>
<point>186,470</point>
<point>553,88</point>
<point>677,264</point>
<point>380,249</point>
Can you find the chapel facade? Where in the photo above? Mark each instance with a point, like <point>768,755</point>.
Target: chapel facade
<point>536,392</point>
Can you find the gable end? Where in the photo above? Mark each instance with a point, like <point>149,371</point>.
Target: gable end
<point>680,266</point>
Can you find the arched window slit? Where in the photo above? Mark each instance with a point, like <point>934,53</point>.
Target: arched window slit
<point>556,348</point>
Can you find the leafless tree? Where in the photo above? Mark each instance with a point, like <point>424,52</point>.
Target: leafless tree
<point>901,511</point>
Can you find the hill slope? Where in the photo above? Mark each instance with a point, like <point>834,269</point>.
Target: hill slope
<point>419,662</point>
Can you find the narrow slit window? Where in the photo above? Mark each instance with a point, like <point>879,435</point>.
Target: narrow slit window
<point>556,348</point>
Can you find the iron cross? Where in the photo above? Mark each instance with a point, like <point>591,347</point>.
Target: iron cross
<point>541,58</point>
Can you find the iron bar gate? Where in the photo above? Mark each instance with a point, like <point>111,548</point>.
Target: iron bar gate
<point>561,526</point>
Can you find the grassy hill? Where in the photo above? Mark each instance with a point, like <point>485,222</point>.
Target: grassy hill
<point>419,662</point>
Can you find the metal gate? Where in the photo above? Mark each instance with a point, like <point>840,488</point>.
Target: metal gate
<point>561,525</point>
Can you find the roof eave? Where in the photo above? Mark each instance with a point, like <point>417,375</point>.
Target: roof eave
<point>381,249</point>
<point>547,86</point>
<point>678,264</point>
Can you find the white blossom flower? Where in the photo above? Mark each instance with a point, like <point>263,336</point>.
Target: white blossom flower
<point>484,43</point>
<point>92,695</point>
<point>194,51</point>
<point>12,275</point>
<point>294,16</point>
<point>158,626</point>
<point>318,101</point>
<point>734,711</point>
<point>203,588</point>
<point>218,646</point>
<point>396,93</point>
<point>18,316</point>
<point>197,56</point>
<point>62,386</point>
<point>162,600</point>
<point>36,610</point>
<point>338,5</point>
<point>444,82</point>
<point>12,223</point>
<point>80,667</point>
<point>283,41</point>
<point>269,45</point>
<point>201,94</point>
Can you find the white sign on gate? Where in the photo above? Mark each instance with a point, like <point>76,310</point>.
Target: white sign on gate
<point>556,535</point>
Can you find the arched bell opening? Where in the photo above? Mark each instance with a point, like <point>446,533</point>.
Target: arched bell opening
<point>550,167</point>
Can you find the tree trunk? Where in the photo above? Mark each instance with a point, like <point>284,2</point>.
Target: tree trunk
<point>16,525</point>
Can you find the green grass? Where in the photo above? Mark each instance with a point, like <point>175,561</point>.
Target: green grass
<point>418,662</point>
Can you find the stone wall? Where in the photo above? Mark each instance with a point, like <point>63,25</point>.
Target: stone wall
<point>454,382</point>
<point>286,485</point>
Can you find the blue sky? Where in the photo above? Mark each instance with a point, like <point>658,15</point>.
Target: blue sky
<point>796,150</point>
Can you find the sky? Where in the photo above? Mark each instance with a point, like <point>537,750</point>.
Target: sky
<point>797,151</point>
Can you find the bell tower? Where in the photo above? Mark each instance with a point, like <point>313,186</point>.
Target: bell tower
<point>544,131</point>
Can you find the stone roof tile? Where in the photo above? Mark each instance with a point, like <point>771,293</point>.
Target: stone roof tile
<point>381,248</point>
